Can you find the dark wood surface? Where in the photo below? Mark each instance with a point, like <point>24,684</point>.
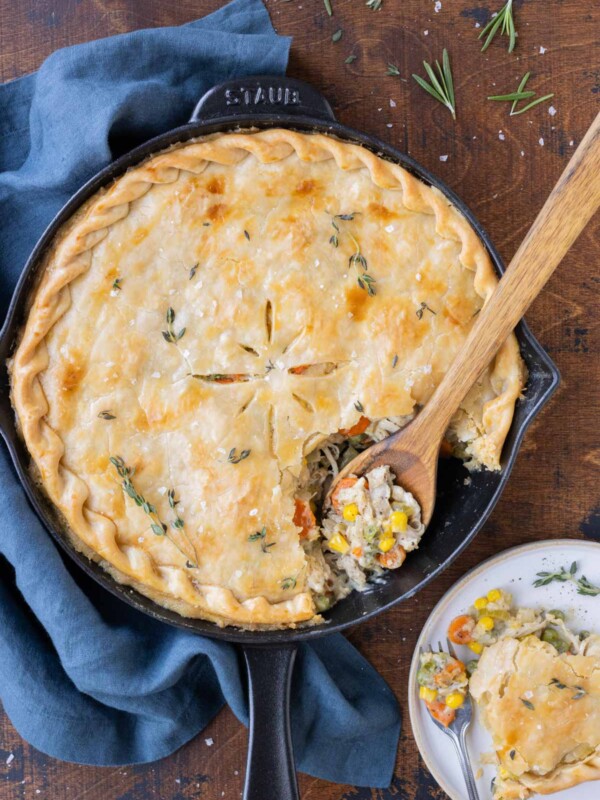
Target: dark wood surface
<point>500,167</point>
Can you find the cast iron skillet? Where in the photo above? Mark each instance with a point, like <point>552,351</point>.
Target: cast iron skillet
<point>266,102</point>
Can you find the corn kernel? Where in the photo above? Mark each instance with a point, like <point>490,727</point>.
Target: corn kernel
<point>386,543</point>
<point>399,522</point>
<point>455,700</point>
<point>350,512</point>
<point>476,647</point>
<point>426,694</point>
<point>487,623</point>
<point>494,595</point>
<point>339,543</point>
<point>480,603</point>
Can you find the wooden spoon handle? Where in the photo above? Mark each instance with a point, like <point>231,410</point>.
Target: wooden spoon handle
<point>565,213</point>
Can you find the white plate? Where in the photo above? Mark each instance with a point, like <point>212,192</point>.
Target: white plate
<point>513,570</point>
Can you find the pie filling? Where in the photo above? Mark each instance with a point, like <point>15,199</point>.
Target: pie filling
<point>370,524</point>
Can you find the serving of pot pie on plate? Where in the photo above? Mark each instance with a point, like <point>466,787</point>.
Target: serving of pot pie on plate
<point>220,330</point>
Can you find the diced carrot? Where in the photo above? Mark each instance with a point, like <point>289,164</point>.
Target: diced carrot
<point>393,559</point>
<point>299,370</point>
<point>460,629</point>
<point>345,483</point>
<point>451,672</point>
<point>304,517</point>
<point>357,552</point>
<point>445,449</point>
<point>440,711</point>
<point>360,427</point>
<point>229,378</point>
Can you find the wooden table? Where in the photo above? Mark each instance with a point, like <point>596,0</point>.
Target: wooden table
<point>503,168</point>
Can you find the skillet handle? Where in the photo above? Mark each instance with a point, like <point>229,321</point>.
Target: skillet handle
<point>270,769</point>
<point>262,95</point>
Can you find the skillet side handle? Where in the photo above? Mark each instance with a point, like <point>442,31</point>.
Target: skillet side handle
<point>270,769</point>
<point>259,95</point>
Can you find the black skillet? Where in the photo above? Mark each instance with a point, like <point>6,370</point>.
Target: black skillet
<point>266,102</point>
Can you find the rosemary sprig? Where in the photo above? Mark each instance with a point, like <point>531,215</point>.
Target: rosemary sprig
<point>260,536</point>
<point>157,526</point>
<point>106,415</point>
<point>328,8</point>
<point>169,335</point>
<point>392,70</point>
<point>375,5</point>
<point>422,309</point>
<point>234,458</point>
<point>521,94</point>
<point>442,84</point>
<point>584,586</point>
<point>503,22</point>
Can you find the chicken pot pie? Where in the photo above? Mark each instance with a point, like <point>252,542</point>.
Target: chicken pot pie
<point>217,325</point>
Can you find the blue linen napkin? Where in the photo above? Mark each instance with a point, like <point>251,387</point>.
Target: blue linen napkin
<point>83,676</point>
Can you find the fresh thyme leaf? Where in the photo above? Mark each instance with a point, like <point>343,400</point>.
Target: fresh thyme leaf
<point>157,529</point>
<point>421,310</point>
<point>503,21</point>
<point>328,8</point>
<point>106,415</point>
<point>350,59</point>
<point>366,282</point>
<point>333,239</point>
<point>557,683</point>
<point>206,224</point>
<point>247,235</point>
<point>527,704</point>
<point>520,94</point>
<point>394,361</point>
<point>357,259</point>
<point>270,366</point>
<point>233,458</point>
<point>579,694</point>
<point>392,70</point>
<point>374,4</point>
<point>169,335</point>
<point>258,535</point>
<point>337,35</point>
<point>442,84</point>
<point>346,217</point>
<point>584,586</point>
<point>288,583</point>
<point>193,271</point>
<point>512,754</point>
<point>359,406</point>
<point>265,547</point>
<point>116,287</point>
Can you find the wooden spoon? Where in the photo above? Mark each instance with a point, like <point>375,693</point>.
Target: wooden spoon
<point>412,453</point>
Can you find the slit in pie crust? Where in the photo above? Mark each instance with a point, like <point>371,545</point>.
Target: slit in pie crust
<point>244,293</point>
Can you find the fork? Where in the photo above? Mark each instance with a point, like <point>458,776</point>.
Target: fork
<point>457,731</point>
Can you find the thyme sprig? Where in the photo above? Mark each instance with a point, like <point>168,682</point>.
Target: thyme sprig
<point>357,259</point>
<point>179,525</point>
<point>584,586</point>
<point>579,690</point>
<point>157,526</point>
<point>260,536</point>
<point>503,21</point>
<point>333,239</point>
<point>422,309</point>
<point>234,458</point>
<point>521,94</point>
<point>169,335</point>
<point>442,84</point>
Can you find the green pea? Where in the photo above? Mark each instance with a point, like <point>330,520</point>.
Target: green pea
<point>584,635</point>
<point>322,602</point>
<point>471,666</point>
<point>550,636</point>
<point>557,613</point>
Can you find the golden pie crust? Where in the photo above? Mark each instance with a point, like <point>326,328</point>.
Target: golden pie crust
<point>233,232</point>
<point>543,711</point>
